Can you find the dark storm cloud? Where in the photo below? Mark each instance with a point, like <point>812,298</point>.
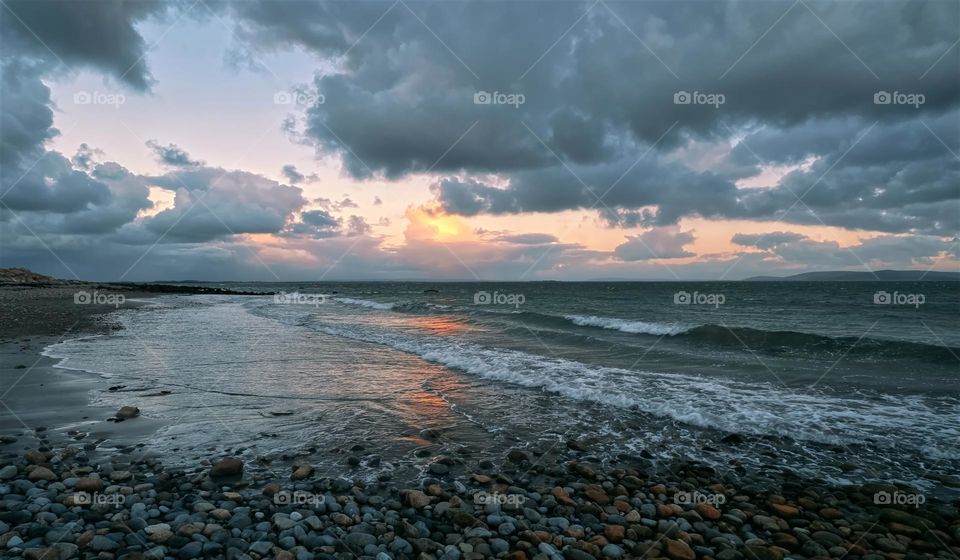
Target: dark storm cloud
<point>96,34</point>
<point>599,99</point>
<point>172,155</point>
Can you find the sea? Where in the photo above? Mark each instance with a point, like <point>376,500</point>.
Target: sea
<point>839,382</point>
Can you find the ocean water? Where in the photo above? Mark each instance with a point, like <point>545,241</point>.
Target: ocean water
<point>844,382</point>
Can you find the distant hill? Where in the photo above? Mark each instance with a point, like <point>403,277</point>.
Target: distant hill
<point>24,277</point>
<point>879,275</point>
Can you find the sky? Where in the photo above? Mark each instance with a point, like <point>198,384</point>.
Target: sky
<point>285,140</point>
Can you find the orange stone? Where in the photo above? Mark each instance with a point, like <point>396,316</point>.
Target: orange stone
<point>614,533</point>
<point>707,511</point>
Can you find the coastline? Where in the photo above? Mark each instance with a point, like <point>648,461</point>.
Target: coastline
<point>119,500</point>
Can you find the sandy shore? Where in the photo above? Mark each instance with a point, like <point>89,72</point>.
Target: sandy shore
<point>44,405</point>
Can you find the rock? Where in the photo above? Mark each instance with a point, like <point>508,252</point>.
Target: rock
<point>101,543</point>
<point>8,472</point>
<point>785,540</point>
<point>89,485</point>
<point>612,551</point>
<point>58,551</point>
<point>302,472</point>
<point>127,412</point>
<point>228,466</point>
<point>897,516</point>
<point>36,457</point>
<point>357,541</point>
<point>158,533</point>
<point>678,550</point>
<point>416,499</point>
<point>41,473</point>
<point>518,456</point>
<point>826,538</point>
<point>614,533</point>
<point>707,511</point>
<point>120,476</point>
<point>785,511</point>
<point>438,469</point>
<point>576,445</point>
<point>596,494</point>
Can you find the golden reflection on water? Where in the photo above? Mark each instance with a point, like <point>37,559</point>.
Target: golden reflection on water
<point>441,326</point>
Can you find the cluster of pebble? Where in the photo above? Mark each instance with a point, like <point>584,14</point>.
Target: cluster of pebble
<point>56,506</point>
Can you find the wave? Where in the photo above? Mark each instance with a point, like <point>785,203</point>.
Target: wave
<point>727,405</point>
<point>623,325</point>
<point>366,303</point>
<point>795,342</point>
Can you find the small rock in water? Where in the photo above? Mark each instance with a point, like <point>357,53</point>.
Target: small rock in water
<point>301,472</point>
<point>128,412</point>
<point>228,466</point>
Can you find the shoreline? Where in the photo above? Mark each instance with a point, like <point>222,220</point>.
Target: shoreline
<point>550,503</point>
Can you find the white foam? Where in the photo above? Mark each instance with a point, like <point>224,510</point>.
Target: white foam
<point>623,325</point>
<point>728,405</point>
<point>366,303</point>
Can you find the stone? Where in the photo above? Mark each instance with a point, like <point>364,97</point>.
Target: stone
<point>614,533</point>
<point>596,494</point>
<point>88,484</point>
<point>36,457</point>
<point>127,412</point>
<point>301,472</point>
<point>228,466</point>
<point>707,511</point>
<point>158,533</point>
<point>101,543</point>
<point>41,473</point>
<point>678,550</point>
<point>357,541</point>
<point>416,499</point>
<point>8,472</point>
<point>785,511</point>
<point>120,476</point>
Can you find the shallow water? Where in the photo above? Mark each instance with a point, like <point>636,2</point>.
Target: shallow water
<point>816,377</point>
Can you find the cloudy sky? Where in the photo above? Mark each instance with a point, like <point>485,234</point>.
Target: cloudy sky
<point>276,140</point>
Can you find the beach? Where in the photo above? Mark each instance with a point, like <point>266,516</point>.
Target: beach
<point>78,483</point>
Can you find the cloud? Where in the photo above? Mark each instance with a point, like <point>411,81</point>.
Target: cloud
<point>211,203</point>
<point>766,240</point>
<point>659,243</point>
<point>172,155</point>
<point>101,35</point>
<point>293,176</point>
<point>528,238</point>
